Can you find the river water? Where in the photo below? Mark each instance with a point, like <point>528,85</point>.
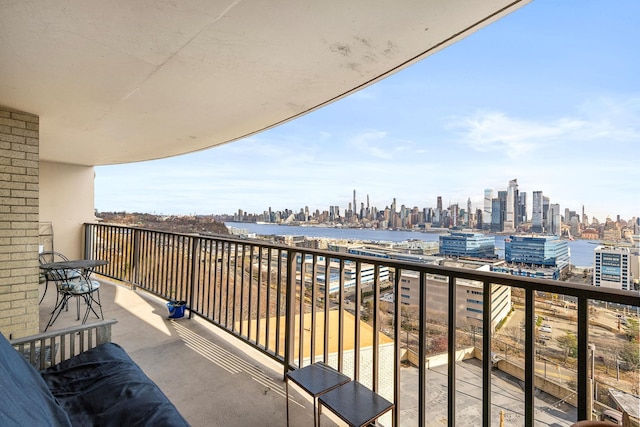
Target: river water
<point>581,250</point>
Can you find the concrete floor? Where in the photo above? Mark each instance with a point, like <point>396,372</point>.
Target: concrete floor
<point>212,378</point>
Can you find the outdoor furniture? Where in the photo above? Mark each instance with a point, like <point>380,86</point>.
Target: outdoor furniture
<point>355,404</point>
<point>48,257</point>
<point>315,379</point>
<point>100,386</point>
<point>73,279</point>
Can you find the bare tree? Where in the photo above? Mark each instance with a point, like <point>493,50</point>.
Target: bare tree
<point>514,333</point>
<point>610,351</point>
<point>568,344</point>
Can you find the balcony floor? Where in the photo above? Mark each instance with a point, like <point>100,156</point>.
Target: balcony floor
<point>212,380</point>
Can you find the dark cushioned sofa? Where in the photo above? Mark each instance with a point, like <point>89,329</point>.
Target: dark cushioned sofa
<point>99,387</point>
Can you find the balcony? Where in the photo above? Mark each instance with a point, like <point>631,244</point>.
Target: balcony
<point>260,309</point>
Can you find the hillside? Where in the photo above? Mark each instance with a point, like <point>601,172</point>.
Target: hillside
<point>174,223</point>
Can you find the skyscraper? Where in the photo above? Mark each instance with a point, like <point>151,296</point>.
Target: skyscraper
<point>437,219</point>
<point>512,202</point>
<point>555,225</point>
<point>486,215</point>
<point>536,212</point>
<point>354,203</point>
<point>498,206</point>
<point>522,208</point>
<point>455,212</point>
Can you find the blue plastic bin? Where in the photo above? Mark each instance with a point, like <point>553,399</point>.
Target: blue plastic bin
<point>176,309</point>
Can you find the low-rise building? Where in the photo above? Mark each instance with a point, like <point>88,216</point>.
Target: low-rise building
<point>469,298</point>
<point>349,275</point>
<point>535,272</point>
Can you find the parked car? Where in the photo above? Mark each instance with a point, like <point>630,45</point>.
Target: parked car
<point>545,328</point>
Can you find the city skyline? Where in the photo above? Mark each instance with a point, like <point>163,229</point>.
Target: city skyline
<point>363,200</point>
<point>548,94</point>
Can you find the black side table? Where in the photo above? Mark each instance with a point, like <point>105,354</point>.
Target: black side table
<point>316,380</point>
<point>355,404</point>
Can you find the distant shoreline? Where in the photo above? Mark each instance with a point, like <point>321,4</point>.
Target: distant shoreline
<point>431,230</point>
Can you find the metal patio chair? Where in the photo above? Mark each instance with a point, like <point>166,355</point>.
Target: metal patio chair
<point>48,257</point>
<point>73,283</point>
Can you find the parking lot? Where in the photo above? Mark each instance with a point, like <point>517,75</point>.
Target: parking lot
<point>507,396</point>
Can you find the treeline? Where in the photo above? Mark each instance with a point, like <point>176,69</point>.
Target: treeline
<point>173,223</point>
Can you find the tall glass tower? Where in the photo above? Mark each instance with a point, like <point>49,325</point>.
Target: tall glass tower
<point>536,212</point>
<point>486,214</point>
<point>512,203</point>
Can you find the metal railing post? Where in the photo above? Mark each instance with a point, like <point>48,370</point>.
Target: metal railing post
<point>195,262</point>
<point>135,259</point>
<point>583,337</point>
<point>529,362</point>
<point>88,231</point>
<point>451,388</point>
<point>290,315</point>
<point>422,353</point>
<point>396,356</point>
<point>486,354</point>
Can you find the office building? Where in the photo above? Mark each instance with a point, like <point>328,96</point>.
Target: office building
<point>612,267</point>
<point>554,218</point>
<point>499,211</point>
<point>478,222</point>
<point>534,272</point>
<point>475,245</point>
<point>521,213</point>
<point>545,213</point>
<point>469,297</point>
<point>545,251</point>
<point>349,276</point>
<point>512,201</point>
<point>486,214</point>
<point>536,212</point>
<point>574,227</point>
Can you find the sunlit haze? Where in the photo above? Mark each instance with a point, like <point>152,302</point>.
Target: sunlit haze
<point>549,95</point>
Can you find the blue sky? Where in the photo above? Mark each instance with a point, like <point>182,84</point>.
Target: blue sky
<point>549,95</point>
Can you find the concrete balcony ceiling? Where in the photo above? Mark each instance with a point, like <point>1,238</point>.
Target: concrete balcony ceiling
<point>124,81</point>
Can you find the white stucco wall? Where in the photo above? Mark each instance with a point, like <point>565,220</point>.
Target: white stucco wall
<point>67,201</point>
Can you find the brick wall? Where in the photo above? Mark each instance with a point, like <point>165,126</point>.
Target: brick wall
<point>19,144</point>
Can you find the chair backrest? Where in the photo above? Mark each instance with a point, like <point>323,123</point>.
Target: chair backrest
<point>56,275</point>
<point>48,257</point>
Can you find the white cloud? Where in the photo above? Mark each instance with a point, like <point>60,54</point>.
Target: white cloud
<point>381,144</point>
<point>495,131</point>
<point>369,142</point>
<point>603,121</point>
